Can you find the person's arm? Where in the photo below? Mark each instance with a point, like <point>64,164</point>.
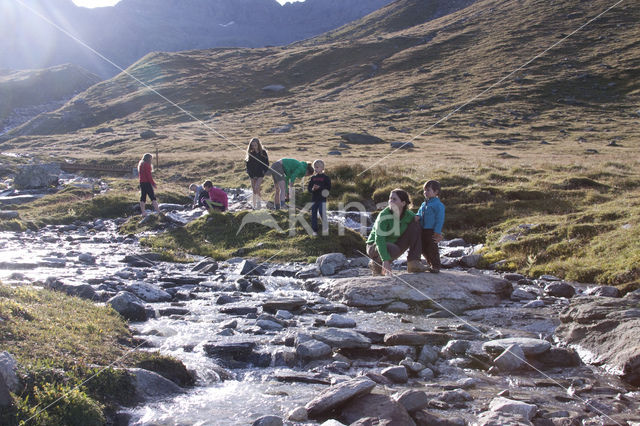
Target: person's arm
<point>382,230</point>
<point>420,213</point>
<point>310,186</point>
<point>439,222</point>
<point>327,182</point>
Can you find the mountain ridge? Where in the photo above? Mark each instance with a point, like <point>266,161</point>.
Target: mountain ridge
<point>132,28</point>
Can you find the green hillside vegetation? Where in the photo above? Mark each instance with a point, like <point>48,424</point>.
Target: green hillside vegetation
<point>20,89</point>
<point>77,363</point>
<point>539,164</point>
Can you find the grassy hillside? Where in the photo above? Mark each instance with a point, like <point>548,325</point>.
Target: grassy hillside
<point>32,88</point>
<point>553,144</point>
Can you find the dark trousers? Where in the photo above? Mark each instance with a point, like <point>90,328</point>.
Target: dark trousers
<point>430,249</point>
<point>319,208</point>
<point>409,240</point>
<point>146,189</point>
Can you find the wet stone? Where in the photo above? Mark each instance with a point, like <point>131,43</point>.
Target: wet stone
<point>239,310</point>
<point>289,304</point>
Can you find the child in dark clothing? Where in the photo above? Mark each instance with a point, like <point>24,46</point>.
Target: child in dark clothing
<point>431,218</point>
<point>319,186</point>
<point>257,161</point>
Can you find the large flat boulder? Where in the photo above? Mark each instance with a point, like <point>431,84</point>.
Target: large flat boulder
<point>454,291</point>
<point>604,331</point>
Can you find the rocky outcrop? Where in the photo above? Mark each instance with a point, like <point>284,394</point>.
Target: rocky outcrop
<point>452,291</point>
<point>37,176</point>
<point>604,331</point>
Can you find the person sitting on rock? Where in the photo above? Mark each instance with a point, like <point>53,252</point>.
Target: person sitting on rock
<point>394,231</point>
<point>218,199</point>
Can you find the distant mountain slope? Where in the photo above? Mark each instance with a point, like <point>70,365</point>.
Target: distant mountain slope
<point>24,94</point>
<point>407,76</point>
<point>131,29</point>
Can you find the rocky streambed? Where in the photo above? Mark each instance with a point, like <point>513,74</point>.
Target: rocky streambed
<point>325,343</point>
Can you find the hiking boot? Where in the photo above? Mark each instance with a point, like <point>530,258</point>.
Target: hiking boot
<point>376,269</point>
<point>415,266</point>
<point>434,270</point>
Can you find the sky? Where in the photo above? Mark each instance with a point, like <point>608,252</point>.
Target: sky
<point>99,3</point>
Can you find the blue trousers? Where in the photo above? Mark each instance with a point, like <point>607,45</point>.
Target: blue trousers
<point>319,208</point>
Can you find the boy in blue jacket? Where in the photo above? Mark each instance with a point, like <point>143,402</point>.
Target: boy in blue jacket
<point>431,218</point>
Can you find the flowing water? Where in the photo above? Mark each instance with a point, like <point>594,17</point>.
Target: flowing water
<point>93,253</point>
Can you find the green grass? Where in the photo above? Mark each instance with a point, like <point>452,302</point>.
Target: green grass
<point>221,236</point>
<point>71,351</point>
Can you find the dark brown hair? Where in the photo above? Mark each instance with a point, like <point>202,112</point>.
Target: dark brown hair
<point>434,185</point>
<point>404,196</point>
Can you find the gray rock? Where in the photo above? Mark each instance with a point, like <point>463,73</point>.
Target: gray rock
<point>605,331</point>
<point>9,214</point>
<point>339,321</point>
<point>402,145</point>
<point>83,291</point>
<point>313,349</point>
<point>248,267</point>
<point>281,129</point>
<point>8,368</point>
<point>511,359</point>
<point>426,418</point>
<point>412,400</point>
<point>6,400</point>
<point>331,263</point>
<point>416,338</point>
<point>375,409</point>
<point>361,139</point>
<point>560,289</point>
<point>470,260</point>
<point>129,306</point>
<point>397,307</point>
<point>559,357</point>
<point>37,176</point>
<point>289,304</point>
<point>269,421</point>
<point>528,345</point>
<point>534,304</point>
<point>206,266</point>
<point>428,355</point>
<point>339,338</point>
<point>298,414</point>
<point>269,325</point>
<point>412,366</point>
<point>456,347</point>
<point>335,396</point>
<point>148,134</point>
<point>149,385</point>
<point>494,418</point>
<point>274,88</point>
<point>603,291</point>
<point>456,291</point>
<point>521,294</point>
<point>148,292</point>
<point>549,278</point>
<point>397,374</point>
<point>505,405</point>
